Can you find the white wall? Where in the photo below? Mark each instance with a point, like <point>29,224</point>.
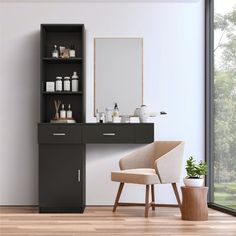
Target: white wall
<point>173,81</point>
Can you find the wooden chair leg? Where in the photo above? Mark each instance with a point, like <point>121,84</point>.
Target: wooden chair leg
<point>177,195</point>
<point>153,197</point>
<point>147,201</point>
<point>118,196</point>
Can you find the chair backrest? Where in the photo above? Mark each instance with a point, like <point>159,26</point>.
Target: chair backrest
<point>168,161</point>
<point>163,147</point>
<point>146,156</point>
<point>140,158</point>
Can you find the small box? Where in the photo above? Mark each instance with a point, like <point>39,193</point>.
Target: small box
<point>50,86</point>
<point>116,119</point>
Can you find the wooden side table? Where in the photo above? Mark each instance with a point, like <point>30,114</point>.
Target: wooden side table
<point>194,203</point>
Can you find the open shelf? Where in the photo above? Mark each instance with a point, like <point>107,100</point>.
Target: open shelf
<point>62,60</point>
<point>62,35</point>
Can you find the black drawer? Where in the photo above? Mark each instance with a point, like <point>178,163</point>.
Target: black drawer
<point>59,133</point>
<point>109,133</point>
<point>144,133</point>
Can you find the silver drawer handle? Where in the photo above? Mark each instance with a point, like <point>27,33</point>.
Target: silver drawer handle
<point>108,134</point>
<point>59,134</point>
<point>78,175</point>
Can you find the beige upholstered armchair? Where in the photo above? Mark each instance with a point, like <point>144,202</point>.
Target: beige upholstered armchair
<point>157,163</point>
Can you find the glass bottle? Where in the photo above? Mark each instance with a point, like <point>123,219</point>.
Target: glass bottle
<point>69,113</point>
<point>55,52</point>
<point>102,117</point>
<point>66,83</point>
<point>62,112</point>
<point>72,51</point>
<point>115,111</point>
<point>75,82</point>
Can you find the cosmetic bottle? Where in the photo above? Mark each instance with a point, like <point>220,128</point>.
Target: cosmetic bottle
<point>66,83</point>
<point>75,82</point>
<point>58,83</point>
<point>62,112</point>
<point>55,52</point>
<point>69,112</point>
<point>72,51</point>
<point>115,111</point>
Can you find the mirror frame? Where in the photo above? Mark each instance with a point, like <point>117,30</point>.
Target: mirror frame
<point>94,67</point>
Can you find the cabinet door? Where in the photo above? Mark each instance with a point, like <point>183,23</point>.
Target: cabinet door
<point>61,175</point>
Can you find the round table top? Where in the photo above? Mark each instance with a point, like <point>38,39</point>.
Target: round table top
<point>194,188</point>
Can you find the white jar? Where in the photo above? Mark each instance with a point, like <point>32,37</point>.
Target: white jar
<point>75,82</point>
<point>108,115</point>
<point>58,83</point>
<point>66,83</point>
<point>143,114</point>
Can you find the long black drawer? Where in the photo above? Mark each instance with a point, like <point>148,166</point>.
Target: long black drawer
<point>108,133</point>
<point>59,133</point>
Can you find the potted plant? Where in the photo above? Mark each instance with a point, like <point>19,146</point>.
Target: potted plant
<point>195,173</point>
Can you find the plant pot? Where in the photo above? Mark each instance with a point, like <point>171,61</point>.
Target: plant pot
<point>193,182</point>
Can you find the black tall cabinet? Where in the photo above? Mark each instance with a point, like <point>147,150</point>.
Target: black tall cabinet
<point>61,151</point>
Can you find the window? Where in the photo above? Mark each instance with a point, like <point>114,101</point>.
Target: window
<point>221,104</point>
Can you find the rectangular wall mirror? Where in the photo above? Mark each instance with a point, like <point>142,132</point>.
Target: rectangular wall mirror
<point>118,74</point>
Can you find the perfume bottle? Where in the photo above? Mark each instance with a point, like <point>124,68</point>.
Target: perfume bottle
<point>55,52</point>
<point>62,112</point>
<point>72,51</point>
<point>115,111</point>
<point>69,112</point>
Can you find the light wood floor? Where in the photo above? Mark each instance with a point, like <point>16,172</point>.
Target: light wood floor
<point>101,221</point>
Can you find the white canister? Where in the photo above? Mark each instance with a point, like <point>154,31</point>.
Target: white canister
<point>50,87</point>
<point>75,82</point>
<point>67,83</point>
<point>58,83</point>
<point>143,114</point>
<point>108,115</point>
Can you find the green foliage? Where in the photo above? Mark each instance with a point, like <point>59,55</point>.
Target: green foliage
<point>224,138</point>
<point>190,167</point>
<point>225,194</point>
<point>195,170</point>
<point>201,168</point>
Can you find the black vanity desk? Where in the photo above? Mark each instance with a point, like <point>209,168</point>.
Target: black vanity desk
<point>62,159</point>
<point>62,147</point>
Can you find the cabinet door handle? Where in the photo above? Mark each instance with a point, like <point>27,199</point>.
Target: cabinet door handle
<point>78,175</point>
<point>59,134</point>
<point>108,134</point>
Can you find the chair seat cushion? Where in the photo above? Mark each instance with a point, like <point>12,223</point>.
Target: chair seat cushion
<point>136,176</point>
